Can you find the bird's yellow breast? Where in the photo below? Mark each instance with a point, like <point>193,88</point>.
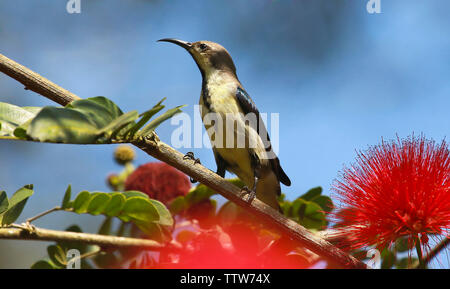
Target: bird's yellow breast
<point>222,94</point>
<point>224,105</point>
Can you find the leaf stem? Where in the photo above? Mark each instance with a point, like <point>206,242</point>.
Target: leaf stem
<point>419,253</point>
<point>57,208</point>
<point>86,255</point>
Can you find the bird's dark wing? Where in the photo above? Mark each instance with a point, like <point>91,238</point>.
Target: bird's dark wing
<point>246,102</point>
<point>248,106</point>
<point>221,164</point>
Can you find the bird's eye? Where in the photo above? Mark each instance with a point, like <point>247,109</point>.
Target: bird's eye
<point>203,46</point>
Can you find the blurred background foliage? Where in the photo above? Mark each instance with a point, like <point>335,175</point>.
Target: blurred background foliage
<point>339,77</point>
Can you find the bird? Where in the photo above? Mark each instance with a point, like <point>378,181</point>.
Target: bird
<point>223,95</point>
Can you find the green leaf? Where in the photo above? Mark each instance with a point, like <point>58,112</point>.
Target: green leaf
<point>139,209</point>
<point>81,202</point>
<point>4,203</point>
<point>57,255</point>
<point>99,110</point>
<point>29,186</point>
<point>129,194</point>
<point>21,131</point>
<point>66,199</point>
<point>177,205</point>
<point>121,231</point>
<point>313,218</point>
<point>74,228</point>
<point>146,117</point>
<point>22,194</point>
<point>388,259</point>
<point>237,182</point>
<point>401,244</point>
<point>165,218</point>
<point>98,203</point>
<point>62,125</point>
<point>115,205</point>
<point>297,208</point>
<point>157,121</point>
<point>13,213</point>
<point>106,260</point>
<point>43,264</point>
<point>308,214</point>
<point>152,230</point>
<point>105,228</point>
<point>281,198</point>
<point>67,245</point>
<point>324,202</point>
<point>11,117</point>
<point>16,204</point>
<point>286,208</point>
<point>113,127</point>
<point>312,193</point>
<point>198,194</point>
<point>33,109</point>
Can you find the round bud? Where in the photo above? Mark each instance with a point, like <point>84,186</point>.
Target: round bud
<point>124,154</point>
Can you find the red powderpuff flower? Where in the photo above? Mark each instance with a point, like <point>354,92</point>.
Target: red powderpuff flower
<point>159,181</point>
<point>396,189</point>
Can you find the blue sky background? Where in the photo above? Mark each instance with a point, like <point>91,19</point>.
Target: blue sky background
<point>340,78</point>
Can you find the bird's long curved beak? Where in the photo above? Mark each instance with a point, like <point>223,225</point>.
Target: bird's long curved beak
<point>186,45</point>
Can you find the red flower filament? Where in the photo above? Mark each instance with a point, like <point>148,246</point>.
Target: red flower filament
<point>396,189</point>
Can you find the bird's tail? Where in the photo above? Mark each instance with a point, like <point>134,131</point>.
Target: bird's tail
<point>268,189</point>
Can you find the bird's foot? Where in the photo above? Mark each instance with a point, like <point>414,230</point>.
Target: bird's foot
<point>190,156</point>
<point>251,194</point>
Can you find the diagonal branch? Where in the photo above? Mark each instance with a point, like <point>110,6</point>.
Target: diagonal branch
<point>436,250</point>
<point>154,147</point>
<point>35,82</point>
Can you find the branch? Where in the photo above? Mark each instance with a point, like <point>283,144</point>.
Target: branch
<point>436,250</point>
<point>18,232</point>
<point>35,82</point>
<point>154,147</point>
<point>321,247</point>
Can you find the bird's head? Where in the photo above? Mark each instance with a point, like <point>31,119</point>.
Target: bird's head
<point>208,55</point>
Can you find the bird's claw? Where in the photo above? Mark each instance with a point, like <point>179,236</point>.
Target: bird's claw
<point>251,194</point>
<point>190,156</point>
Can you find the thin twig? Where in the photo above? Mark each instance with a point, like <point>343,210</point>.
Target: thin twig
<point>419,253</point>
<point>436,250</point>
<point>86,255</point>
<point>19,232</point>
<point>154,147</point>
<point>29,220</point>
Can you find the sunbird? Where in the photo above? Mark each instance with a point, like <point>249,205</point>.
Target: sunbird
<point>253,161</point>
